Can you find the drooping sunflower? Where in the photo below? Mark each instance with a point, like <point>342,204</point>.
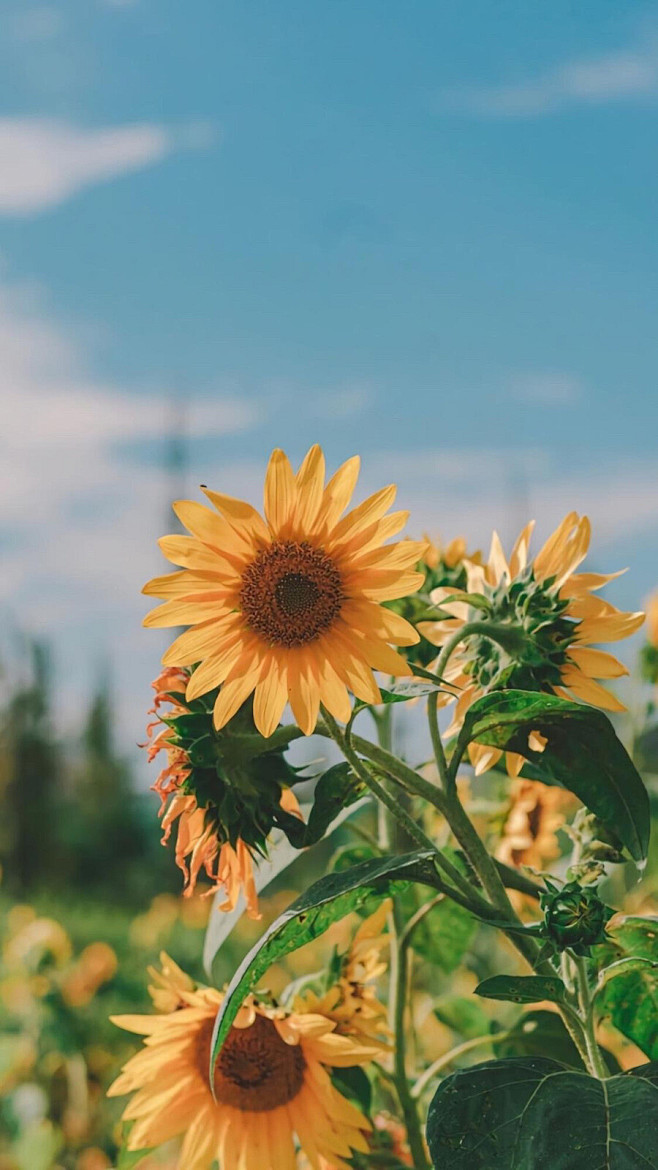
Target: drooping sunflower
<point>535,814</point>
<point>222,801</point>
<point>288,607</point>
<point>272,1087</point>
<point>556,611</point>
<point>352,1001</point>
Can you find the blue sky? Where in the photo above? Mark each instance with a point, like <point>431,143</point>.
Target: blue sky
<point>425,232</point>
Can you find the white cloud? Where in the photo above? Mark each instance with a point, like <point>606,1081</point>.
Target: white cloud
<point>590,81</point>
<point>45,161</point>
<point>546,389</point>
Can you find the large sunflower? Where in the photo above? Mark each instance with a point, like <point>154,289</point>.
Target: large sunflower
<point>271,1085</point>
<point>288,607</point>
<point>556,611</point>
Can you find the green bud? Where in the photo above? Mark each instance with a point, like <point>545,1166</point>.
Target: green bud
<point>574,917</point>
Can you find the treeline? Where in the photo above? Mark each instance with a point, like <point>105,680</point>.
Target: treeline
<point>70,815</point>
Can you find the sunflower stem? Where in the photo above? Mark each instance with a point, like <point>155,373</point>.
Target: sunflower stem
<point>400,992</point>
<point>399,965</point>
<point>595,1061</point>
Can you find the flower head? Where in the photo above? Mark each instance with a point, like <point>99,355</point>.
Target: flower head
<point>555,617</point>
<point>271,1084</point>
<point>288,608</point>
<point>352,1001</point>
<point>222,790</point>
<point>649,659</point>
<point>442,566</point>
<point>535,814</point>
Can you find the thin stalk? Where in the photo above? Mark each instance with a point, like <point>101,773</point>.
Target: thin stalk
<point>437,742</point>
<point>399,950</point>
<point>399,988</point>
<point>449,1058</point>
<point>596,1063</point>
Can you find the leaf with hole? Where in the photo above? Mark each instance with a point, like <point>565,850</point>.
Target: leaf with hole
<point>582,754</point>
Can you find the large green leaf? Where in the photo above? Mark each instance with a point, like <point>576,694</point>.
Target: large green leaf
<point>536,1114</point>
<point>522,988</point>
<point>629,994</point>
<point>326,901</point>
<point>583,754</point>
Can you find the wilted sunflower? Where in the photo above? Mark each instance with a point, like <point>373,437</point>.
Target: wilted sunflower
<point>288,607</point>
<point>222,800</point>
<point>352,1000</point>
<point>271,1085</point>
<point>555,611</point>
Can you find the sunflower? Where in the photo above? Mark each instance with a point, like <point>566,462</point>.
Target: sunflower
<point>223,806</point>
<point>536,812</point>
<point>288,607</point>
<point>558,616</point>
<point>352,1001</point>
<point>271,1084</point>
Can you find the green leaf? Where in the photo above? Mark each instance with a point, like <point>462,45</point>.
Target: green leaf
<point>542,1033</point>
<point>445,934</point>
<point>522,988</point>
<point>463,1014</point>
<point>326,901</point>
<point>534,1114</point>
<point>583,754</point>
<point>630,996</point>
<point>336,790</point>
<point>401,692</point>
<point>539,1033</point>
<point>353,1083</point>
<point>131,1158</point>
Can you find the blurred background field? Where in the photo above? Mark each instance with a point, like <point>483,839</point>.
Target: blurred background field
<point>425,233</point>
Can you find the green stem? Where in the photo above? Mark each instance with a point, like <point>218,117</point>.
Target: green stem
<point>595,1061</point>
<point>399,987</point>
<point>399,948</point>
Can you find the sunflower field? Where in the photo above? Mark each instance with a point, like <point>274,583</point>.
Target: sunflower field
<point>407,909</point>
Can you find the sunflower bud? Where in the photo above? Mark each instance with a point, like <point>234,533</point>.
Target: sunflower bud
<point>574,917</point>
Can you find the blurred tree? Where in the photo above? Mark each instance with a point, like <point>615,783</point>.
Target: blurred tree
<point>30,769</point>
<point>111,837</point>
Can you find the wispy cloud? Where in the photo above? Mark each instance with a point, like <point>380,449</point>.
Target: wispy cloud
<point>45,161</point>
<point>624,75</point>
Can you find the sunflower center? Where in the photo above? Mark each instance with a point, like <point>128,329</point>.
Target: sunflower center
<point>256,1071</point>
<point>291,593</point>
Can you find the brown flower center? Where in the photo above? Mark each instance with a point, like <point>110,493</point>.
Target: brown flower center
<point>291,593</point>
<point>256,1071</point>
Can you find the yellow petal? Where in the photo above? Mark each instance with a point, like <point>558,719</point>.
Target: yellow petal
<point>279,493</point>
<point>596,663</point>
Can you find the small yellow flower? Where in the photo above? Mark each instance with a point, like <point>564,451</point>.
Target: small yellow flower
<point>353,1002</point>
<point>271,1084</point>
<point>560,617</point>
<point>288,607</point>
